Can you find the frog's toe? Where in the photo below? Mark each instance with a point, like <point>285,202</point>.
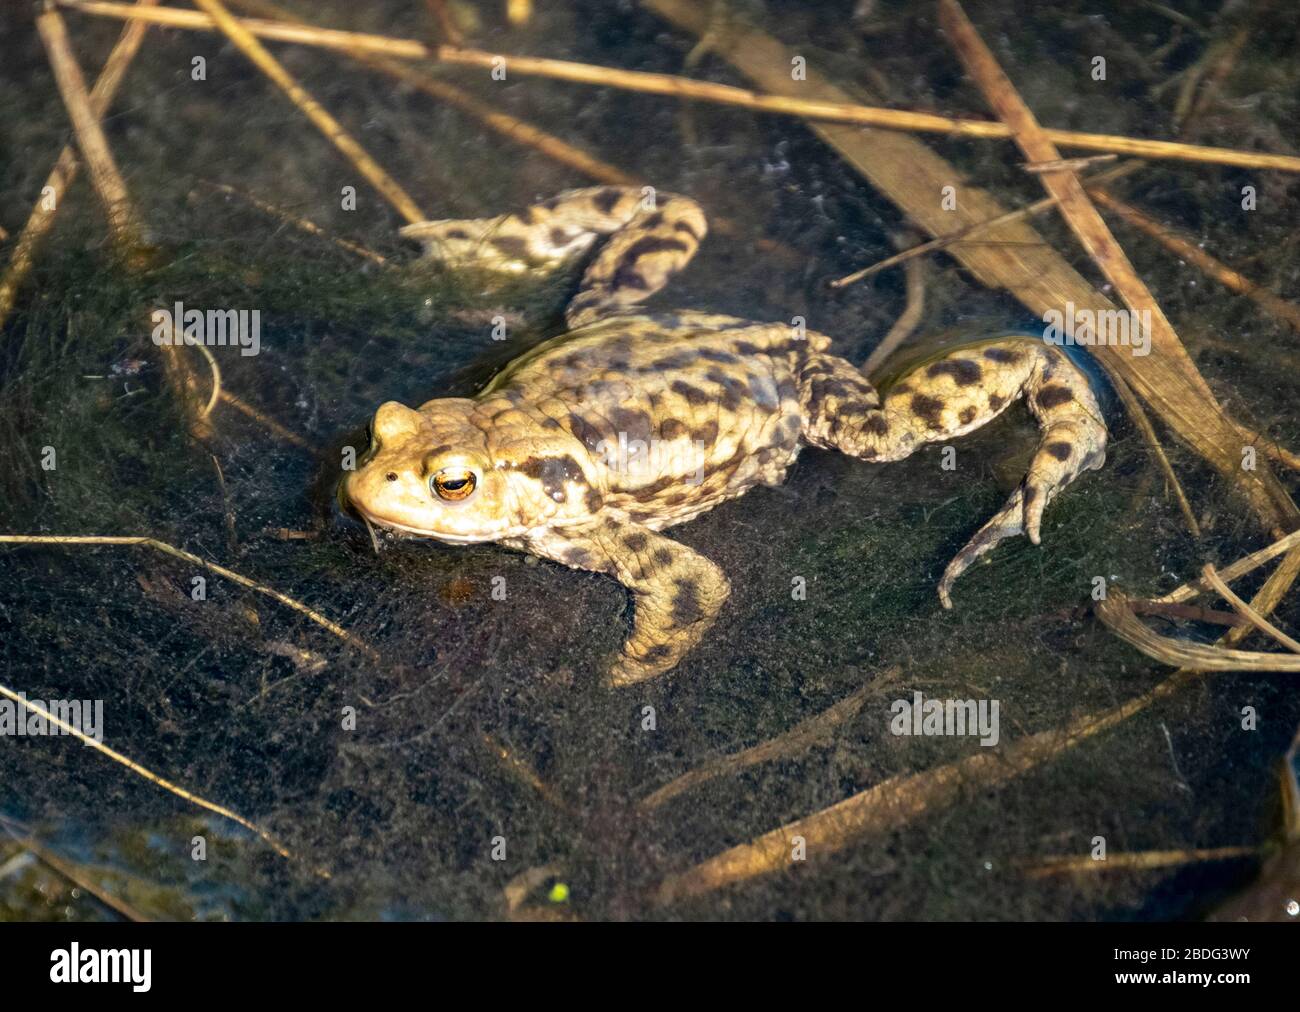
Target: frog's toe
<point>1006,523</point>
<point>627,669</point>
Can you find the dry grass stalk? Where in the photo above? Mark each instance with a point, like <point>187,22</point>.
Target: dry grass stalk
<point>302,224</point>
<point>1195,414</point>
<point>1246,611</point>
<point>41,220</point>
<point>1193,254</point>
<point>1073,864</point>
<point>1120,619</point>
<point>1241,567</point>
<point>229,574</point>
<point>446,23</point>
<point>523,772</point>
<point>334,132</point>
<point>1144,426</point>
<point>73,874</point>
<point>899,800</point>
<point>503,123</point>
<point>152,777</point>
<point>896,802</point>
<point>104,173</point>
<point>1014,258</point>
<point>907,321</point>
<point>687,88</point>
<point>815,730</point>
<point>265,420</point>
<point>966,234</point>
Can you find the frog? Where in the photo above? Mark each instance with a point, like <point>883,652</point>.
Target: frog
<point>587,447</point>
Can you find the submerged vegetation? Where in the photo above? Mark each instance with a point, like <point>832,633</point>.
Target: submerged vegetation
<point>443,753</point>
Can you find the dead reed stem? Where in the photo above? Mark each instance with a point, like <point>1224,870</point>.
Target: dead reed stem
<point>333,130</point>
<point>41,220</point>
<point>687,88</point>
<point>105,176</point>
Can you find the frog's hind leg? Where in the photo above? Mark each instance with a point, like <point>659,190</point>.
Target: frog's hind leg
<point>953,396</point>
<point>641,257</point>
<point>653,238</point>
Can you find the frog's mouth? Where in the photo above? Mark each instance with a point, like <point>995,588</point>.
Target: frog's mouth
<point>371,521</point>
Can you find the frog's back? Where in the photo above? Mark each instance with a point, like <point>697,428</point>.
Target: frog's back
<point>670,400</point>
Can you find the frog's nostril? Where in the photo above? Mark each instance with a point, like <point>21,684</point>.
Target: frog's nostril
<point>391,476</point>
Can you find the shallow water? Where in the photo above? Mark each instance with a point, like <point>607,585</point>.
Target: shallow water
<point>225,696</point>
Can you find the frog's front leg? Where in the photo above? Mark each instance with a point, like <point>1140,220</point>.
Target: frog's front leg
<point>677,592</point>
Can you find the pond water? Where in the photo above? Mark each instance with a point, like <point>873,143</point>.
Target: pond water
<point>476,729</point>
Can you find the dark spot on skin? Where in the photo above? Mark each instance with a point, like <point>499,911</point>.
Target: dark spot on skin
<point>559,237</point>
<point>553,472</point>
<point>654,221</point>
<point>511,246</point>
<point>685,226</point>
<point>686,604</point>
<point>605,199</point>
<point>627,278</point>
<point>671,429</point>
<point>1054,397</point>
<point>706,434</point>
<point>713,355</point>
<point>748,348</point>
<point>979,541</point>
<point>457,233</point>
<point>680,360</point>
<point>853,408</point>
<point>653,244</point>
<point>636,541</point>
<point>592,500</point>
<point>901,388</point>
<point>996,402</point>
<point>583,430</point>
<point>1031,493</point>
<point>527,215</point>
<point>928,410</point>
<point>693,396</point>
<point>967,415</point>
<point>550,203</point>
<point>963,371</point>
<point>870,453</point>
<point>662,558</point>
<point>1061,451</point>
<point>659,653</point>
<point>876,424</point>
<point>1004,355</point>
<point>635,424</point>
<point>579,557</point>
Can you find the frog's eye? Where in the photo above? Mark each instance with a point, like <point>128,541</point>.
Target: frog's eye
<point>453,484</point>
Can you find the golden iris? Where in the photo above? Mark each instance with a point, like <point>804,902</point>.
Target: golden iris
<point>453,485</point>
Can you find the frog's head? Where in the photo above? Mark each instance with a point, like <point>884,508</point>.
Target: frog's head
<point>428,473</point>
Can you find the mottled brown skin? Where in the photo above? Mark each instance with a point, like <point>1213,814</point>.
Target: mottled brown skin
<point>586,447</point>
